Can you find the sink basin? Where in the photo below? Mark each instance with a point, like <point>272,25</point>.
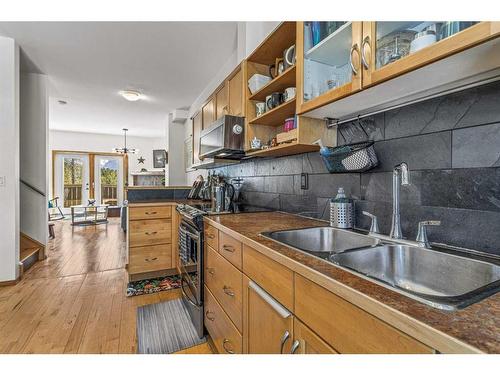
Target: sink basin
<point>439,279</point>
<point>321,241</point>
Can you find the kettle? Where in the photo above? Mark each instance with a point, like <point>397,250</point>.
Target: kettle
<point>223,197</point>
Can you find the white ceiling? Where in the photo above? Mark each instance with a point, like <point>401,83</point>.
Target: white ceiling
<point>88,63</point>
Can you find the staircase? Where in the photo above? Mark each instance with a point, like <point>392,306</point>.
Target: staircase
<point>30,251</point>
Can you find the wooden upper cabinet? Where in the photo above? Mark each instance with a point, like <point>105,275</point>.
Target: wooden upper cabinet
<point>328,62</point>
<point>197,128</point>
<point>390,49</point>
<point>236,93</point>
<point>221,101</point>
<point>208,113</point>
<point>269,325</point>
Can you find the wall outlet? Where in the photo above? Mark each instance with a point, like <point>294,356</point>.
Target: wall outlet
<point>304,181</point>
<point>3,181</point>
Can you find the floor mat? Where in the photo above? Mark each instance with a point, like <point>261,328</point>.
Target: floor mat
<point>164,328</point>
<point>159,284</point>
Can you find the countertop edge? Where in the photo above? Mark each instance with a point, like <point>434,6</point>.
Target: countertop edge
<point>405,323</point>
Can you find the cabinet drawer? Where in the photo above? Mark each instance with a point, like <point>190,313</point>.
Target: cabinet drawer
<point>224,334</point>
<point>150,258</point>
<point>230,249</point>
<point>150,232</point>
<point>212,236</point>
<point>276,279</point>
<point>141,213</point>
<point>346,327</point>
<point>308,342</point>
<point>226,284</point>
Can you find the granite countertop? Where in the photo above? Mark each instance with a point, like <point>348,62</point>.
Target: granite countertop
<point>474,328</point>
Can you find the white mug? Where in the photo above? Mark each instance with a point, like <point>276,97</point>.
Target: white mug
<point>260,108</point>
<point>289,93</point>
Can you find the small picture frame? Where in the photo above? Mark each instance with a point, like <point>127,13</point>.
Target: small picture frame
<point>160,158</point>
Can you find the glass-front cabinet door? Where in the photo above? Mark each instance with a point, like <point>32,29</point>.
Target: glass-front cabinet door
<point>328,62</point>
<point>390,49</point>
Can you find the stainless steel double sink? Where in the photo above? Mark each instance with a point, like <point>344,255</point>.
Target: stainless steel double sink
<point>440,279</point>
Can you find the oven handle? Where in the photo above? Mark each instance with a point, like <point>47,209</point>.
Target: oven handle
<point>185,294</point>
<point>189,234</point>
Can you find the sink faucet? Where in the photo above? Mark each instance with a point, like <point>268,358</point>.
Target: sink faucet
<point>400,176</point>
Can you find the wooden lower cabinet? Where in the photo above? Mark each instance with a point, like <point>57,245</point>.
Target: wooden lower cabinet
<point>152,241</point>
<point>224,334</point>
<point>268,324</point>
<point>305,341</point>
<point>346,327</point>
<point>150,258</point>
<point>226,283</point>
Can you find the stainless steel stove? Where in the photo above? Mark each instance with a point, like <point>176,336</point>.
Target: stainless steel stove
<point>191,247</point>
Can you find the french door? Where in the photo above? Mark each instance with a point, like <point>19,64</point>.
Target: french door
<point>108,180</point>
<point>72,179</point>
<point>80,176</point>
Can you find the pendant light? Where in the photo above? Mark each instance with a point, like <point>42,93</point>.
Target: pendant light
<point>125,150</point>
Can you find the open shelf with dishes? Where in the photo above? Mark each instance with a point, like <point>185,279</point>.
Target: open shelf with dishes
<point>272,127</point>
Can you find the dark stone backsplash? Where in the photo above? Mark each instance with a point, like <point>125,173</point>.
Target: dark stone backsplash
<point>452,146</point>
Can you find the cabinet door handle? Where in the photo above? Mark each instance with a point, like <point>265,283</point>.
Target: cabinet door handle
<point>295,346</point>
<point>151,233</point>
<point>228,291</point>
<point>284,313</point>
<point>353,68</point>
<point>211,271</point>
<point>211,318</point>
<point>151,213</point>
<point>151,259</point>
<point>224,342</point>
<point>211,236</point>
<point>284,339</point>
<point>228,248</point>
<point>364,61</point>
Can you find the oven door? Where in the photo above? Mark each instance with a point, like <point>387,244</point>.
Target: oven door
<point>190,259</point>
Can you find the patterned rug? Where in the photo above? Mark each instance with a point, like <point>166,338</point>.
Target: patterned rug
<point>159,284</point>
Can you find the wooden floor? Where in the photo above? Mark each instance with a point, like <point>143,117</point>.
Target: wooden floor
<point>74,301</point>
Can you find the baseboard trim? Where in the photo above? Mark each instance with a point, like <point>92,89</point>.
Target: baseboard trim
<point>9,282</point>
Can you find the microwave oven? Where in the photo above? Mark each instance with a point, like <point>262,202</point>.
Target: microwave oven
<point>225,138</point>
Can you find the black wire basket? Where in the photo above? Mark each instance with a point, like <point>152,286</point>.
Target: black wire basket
<point>356,157</point>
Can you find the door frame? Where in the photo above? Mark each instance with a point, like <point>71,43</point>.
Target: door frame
<point>91,156</point>
<point>86,182</point>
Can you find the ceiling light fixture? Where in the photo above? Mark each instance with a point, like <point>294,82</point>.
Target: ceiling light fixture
<point>125,149</point>
<point>131,95</point>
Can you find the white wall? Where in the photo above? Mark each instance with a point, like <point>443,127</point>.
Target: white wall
<point>33,155</point>
<point>9,159</point>
<point>250,35</point>
<point>176,172</point>
<point>75,141</point>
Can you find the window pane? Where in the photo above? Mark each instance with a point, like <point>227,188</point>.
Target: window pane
<point>109,181</point>
<point>73,181</point>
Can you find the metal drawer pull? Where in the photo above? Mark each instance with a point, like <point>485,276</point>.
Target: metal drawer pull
<point>284,313</point>
<point>211,271</point>
<point>151,259</point>
<point>364,61</point>
<point>228,291</point>
<point>284,339</point>
<point>353,68</point>
<point>228,248</point>
<point>295,346</point>
<point>224,342</point>
<point>151,213</point>
<point>151,233</point>
<point>208,317</point>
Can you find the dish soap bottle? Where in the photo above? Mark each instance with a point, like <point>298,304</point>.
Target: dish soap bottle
<point>341,211</point>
